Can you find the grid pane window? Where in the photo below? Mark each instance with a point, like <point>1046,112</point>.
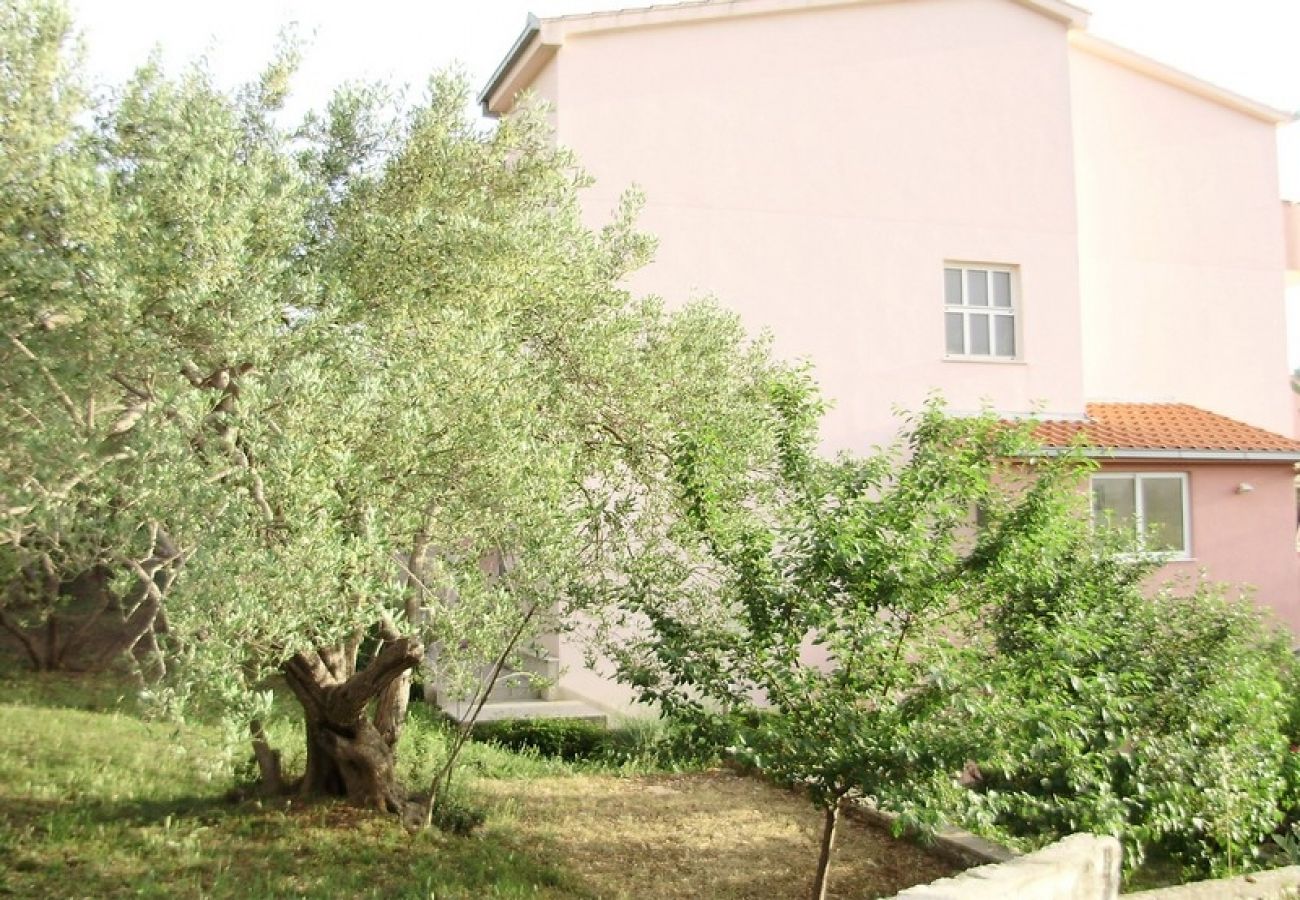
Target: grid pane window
<point>979,335</point>
<point>1152,505</point>
<point>1004,336</point>
<point>979,311</point>
<point>1162,508</point>
<point>1002,289</point>
<point>956,326</point>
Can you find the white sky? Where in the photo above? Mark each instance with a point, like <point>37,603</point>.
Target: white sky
<point>1248,46</point>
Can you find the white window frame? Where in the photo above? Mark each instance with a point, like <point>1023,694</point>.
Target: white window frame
<point>1011,312</point>
<point>1140,514</point>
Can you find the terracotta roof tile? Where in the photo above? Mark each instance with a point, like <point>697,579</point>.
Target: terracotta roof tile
<point>1162,426</point>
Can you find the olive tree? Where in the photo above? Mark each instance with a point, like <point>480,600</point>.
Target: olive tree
<point>350,362</point>
<point>76,530</point>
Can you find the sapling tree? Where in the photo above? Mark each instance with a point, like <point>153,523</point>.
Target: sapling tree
<point>842,609</point>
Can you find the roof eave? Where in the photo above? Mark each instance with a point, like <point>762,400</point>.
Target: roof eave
<point>706,10</point>
<point>1129,59</point>
<point>509,64</point>
<point>541,38</point>
<point>1186,454</point>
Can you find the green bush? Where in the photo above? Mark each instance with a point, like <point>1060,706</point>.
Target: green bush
<point>458,813</point>
<point>1160,720</point>
<point>638,744</point>
<point>568,739</point>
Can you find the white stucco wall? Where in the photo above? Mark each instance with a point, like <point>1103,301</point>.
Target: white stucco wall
<point>814,170</point>
<point>1181,247</point>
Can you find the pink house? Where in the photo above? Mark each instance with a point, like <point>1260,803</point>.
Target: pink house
<point>976,197</point>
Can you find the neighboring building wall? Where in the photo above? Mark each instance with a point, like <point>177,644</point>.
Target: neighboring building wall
<point>1239,538</point>
<point>1180,247</point>
<point>1295,409</point>
<point>815,169</point>
<point>1291,218</point>
<point>595,686</point>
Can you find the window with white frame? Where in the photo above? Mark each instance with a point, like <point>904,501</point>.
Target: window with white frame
<point>979,311</point>
<point>1153,505</point>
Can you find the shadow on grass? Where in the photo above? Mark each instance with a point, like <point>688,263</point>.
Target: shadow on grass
<point>207,846</point>
<point>102,692</point>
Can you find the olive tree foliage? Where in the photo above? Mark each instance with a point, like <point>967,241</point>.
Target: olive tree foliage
<point>349,365</point>
<point>121,246</point>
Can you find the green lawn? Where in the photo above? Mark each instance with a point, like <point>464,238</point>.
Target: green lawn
<point>97,802</point>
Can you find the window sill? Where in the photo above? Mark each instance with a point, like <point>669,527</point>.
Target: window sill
<point>986,360</point>
<point>1163,558</point>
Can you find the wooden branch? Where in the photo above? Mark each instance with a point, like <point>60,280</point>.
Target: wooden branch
<point>351,647</point>
<point>310,666</point>
<point>348,701</point>
<point>131,413</point>
<point>297,674</point>
<point>64,400</point>
<point>137,392</point>
<point>11,625</point>
<point>388,628</point>
<point>442,779</point>
<point>334,660</point>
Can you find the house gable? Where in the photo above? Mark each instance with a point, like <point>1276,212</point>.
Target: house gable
<point>541,39</point>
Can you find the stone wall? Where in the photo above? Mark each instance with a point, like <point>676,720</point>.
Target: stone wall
<point>1278,884</point>
<point>1080,867</point>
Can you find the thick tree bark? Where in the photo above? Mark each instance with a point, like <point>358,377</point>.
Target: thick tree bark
<point>347,756</point>
<point>829,828</point>
<point>91,588</point>
<point>29,646</point>
<point>268,759</point>
<point>390,709</point>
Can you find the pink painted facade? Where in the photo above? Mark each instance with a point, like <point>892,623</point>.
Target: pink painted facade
<point>1243,527</point>
<point>817,165</point>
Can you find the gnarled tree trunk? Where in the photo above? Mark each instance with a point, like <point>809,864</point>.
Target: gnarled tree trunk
<point>347,755</point>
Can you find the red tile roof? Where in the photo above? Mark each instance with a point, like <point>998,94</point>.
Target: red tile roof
<point>1162,426</point>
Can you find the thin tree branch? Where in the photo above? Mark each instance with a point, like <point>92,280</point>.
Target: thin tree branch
<point>64,399</point>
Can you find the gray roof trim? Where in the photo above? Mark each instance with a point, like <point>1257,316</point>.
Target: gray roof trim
<point>531,28</point>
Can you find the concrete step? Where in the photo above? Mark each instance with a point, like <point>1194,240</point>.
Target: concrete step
<point>512,687</point>
<point>527,709</point>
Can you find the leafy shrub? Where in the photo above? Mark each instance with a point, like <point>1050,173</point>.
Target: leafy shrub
<point>457,813</point>
<point>649,744</point>
<point>569,739</point>
<point>1160,720</point>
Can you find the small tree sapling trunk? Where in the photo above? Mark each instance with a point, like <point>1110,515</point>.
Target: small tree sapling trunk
<point>442,780</point>
<point>830,826</point>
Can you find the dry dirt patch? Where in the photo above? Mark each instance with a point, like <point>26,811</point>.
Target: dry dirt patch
<point>716,835</point>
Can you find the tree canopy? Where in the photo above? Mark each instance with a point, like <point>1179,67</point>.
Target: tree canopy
<point>299,387</point>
